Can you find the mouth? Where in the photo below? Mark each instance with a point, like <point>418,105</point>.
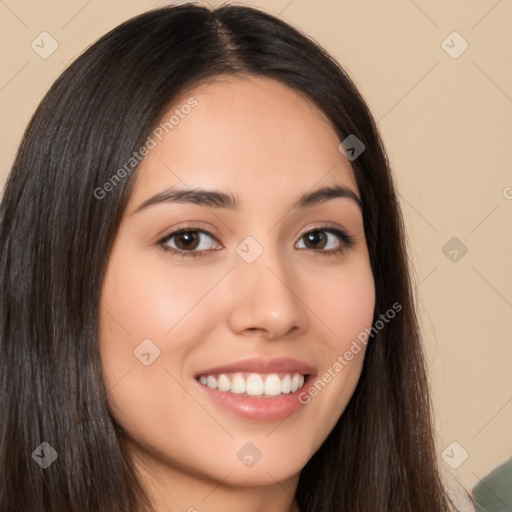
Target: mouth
<point>257,389</point>
<point>255,385</point>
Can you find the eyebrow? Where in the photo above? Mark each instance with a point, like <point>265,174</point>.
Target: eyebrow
<point>216,199</point>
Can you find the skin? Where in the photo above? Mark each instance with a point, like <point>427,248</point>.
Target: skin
<point>266,144</point>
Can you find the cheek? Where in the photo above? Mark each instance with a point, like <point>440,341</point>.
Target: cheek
<point>345,302</point>
<point>146,312</point>
<point>146,296</point>
<point>150,317</point>
<point>346,307</point>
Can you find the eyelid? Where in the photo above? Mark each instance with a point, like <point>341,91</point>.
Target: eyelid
<point>190,226</point>
<point>326,225</point>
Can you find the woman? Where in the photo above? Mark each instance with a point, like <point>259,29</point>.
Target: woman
<point>205,291</point>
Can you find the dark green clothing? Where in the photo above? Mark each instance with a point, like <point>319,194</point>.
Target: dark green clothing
<point>494,492</point>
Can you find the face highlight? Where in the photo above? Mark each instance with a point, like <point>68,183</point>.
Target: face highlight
<point>228,252</point>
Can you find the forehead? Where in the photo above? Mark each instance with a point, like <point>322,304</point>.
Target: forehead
<point>252,136</point>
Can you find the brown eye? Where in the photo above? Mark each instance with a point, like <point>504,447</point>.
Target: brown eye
<point>188,242</point>
<point>315,240</point>
<point>323,240</point>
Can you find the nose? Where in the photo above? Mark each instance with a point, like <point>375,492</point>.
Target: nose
<point>265,298</point>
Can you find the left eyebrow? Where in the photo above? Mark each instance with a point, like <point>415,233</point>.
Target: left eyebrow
<point>217,199</point>
<point>325,194</point>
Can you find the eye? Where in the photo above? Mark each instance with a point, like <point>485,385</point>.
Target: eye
<point>193,242</point>
<point>188,242</point>
<point>326,237</point>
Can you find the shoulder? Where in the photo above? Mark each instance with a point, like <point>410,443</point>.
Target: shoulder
<point>494,492</point>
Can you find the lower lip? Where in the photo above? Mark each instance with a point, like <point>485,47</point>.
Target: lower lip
<point>258,409</point>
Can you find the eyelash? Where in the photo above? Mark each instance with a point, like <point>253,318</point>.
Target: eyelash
<point>347,241</point>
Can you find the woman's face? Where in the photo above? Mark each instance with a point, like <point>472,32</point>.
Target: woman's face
<point>270,288</point>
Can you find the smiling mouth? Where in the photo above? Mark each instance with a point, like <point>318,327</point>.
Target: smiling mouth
<point>255,385</point>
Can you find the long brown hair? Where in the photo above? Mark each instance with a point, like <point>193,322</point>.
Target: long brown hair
<point>56,235</point>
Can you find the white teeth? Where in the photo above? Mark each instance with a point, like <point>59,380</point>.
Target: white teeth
<point>273,385</point>
<point>255,384</point>
<point>286,384</point>
<point>294,384</point>
<point>224,384</point>
<point>238,384</point>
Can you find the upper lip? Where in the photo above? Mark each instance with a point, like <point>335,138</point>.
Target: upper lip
<point>262,365</point>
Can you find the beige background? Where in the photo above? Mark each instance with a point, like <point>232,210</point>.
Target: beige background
<point>447,124</point>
